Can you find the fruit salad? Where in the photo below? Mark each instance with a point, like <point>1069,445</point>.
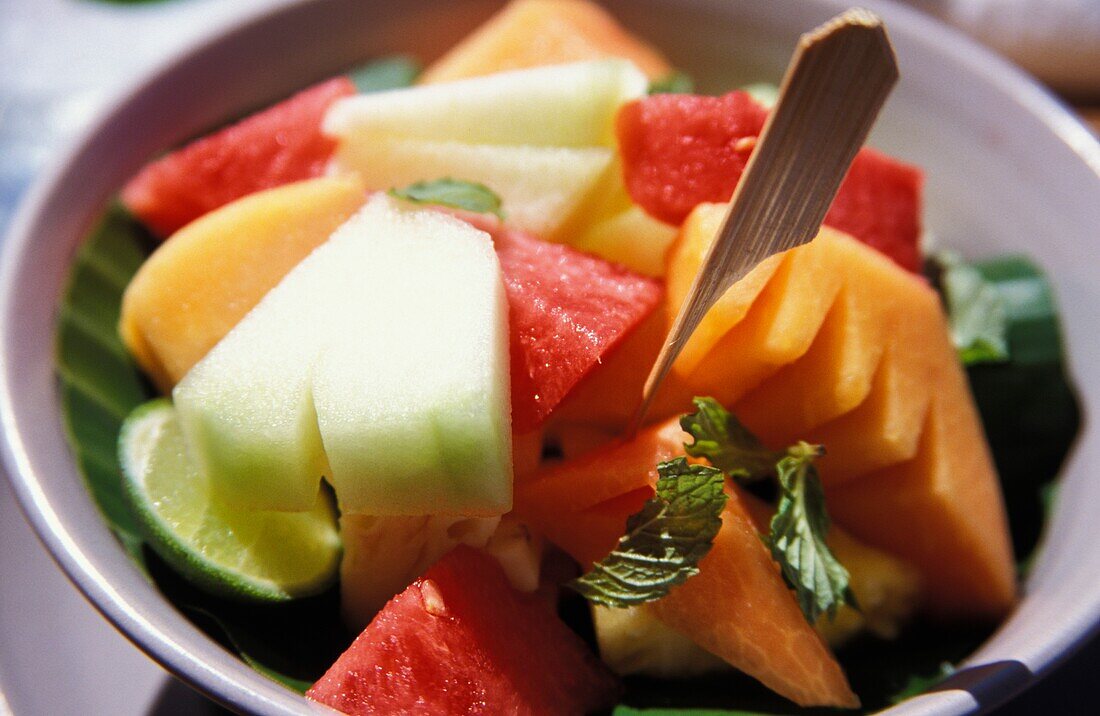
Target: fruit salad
<point>352,380</point>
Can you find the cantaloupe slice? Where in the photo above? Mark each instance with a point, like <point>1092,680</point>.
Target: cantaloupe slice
<point>942,510</point>
<point>609,472</point>
<point>836,373</point>
<point>780,325</point>
<point>590,535</point>
<point>739,608</point>
<point>887,589</point>
<point>684,259</point>
<point>207,276</point>
<point>885,429</point>
<point>530,33</point>
<point>832,378</point>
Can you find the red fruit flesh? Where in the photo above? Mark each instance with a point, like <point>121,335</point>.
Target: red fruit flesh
<point>276,146</point>
<point>683,150</point>
<point>567,310</point>
<point>460,640</point>
<point>879,203</point>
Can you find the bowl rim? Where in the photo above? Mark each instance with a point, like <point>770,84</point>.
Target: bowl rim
<point>256,694</point>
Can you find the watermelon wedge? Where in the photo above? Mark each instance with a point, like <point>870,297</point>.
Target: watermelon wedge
<point>567,310</point>
<point>683,150</point>
<point>461,640</point>
<point>275,146</point>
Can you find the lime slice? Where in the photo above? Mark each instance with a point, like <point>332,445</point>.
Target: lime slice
<point>264,556</point>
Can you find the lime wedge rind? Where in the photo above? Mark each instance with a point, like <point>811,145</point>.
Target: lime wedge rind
<point>237,554</point>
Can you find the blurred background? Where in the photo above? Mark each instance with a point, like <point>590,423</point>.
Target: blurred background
<point>62,61</point>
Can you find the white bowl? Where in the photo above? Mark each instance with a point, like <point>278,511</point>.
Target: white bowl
<point>1009,169</point>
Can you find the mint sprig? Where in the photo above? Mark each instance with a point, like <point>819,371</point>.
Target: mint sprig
<point>724,442</point>
<point>455,193</point>
<point>664,542</point>
<point>797,538</point>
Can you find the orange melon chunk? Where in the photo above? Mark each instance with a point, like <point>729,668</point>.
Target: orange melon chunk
<point>589,536</point>
<point>207,276</point>
<point>531,33</point>
<point>780,325</point>
<point>836,373</point>
<point>739,608</point>
<point>606,473</point>
<point>684,259</point>
<point>609,395</point>
<point>885,429</point>
<point>942,511</point>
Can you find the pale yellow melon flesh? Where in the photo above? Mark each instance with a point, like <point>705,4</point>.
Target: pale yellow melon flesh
<point>208,275</point>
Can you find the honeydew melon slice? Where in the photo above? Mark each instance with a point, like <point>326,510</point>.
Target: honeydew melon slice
<point>361,365</point>
<point>570,105</point>
<point>541,188</point>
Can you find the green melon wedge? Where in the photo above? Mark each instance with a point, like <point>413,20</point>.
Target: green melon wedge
<point>241,554</point>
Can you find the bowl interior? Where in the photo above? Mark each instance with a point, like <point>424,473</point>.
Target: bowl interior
<point>1007,170</point>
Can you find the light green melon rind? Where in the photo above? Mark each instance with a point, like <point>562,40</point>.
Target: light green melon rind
<point>255,556</point>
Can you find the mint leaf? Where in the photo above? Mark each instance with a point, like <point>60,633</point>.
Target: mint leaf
<point>797,538</point>
<point>976,311</point>
<point>455,193</point>
<point>664,542</point>
<point>724,442</point>
<point>675,82</point>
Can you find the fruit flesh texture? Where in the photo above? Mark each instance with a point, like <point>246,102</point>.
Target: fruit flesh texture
<point>461,640</point>
<point>535,33</point>
<point>583,504</point>
<point>835,375</point>
<point>528,33</point>
<point>683,150</point>
<point>942,510</point>
<point>383,555</point>
<point>276,146</point>
<point>610,393</point>
<point>541,188</point>
<point>887,589</point>
<point>270,556</point>
<point>300,388</point>
<point>567,310</point>
<point>202,281</point>
<point>685,258</point>
<point>879,436</point>
<point>779,327</point>
<point>570,105</point>
<point>739,608</point>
